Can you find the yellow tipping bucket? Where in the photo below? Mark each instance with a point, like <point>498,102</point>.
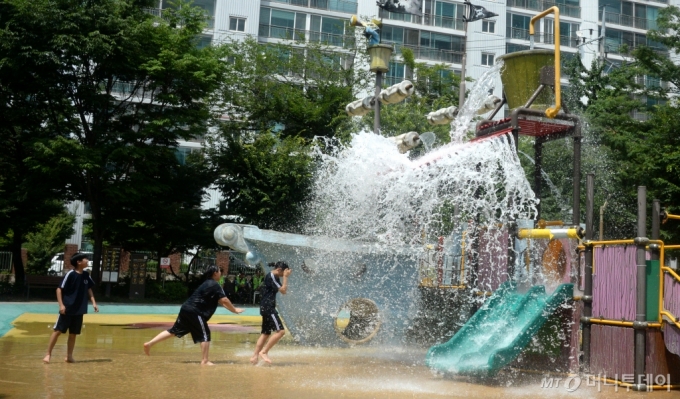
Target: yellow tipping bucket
<point>521,77</point>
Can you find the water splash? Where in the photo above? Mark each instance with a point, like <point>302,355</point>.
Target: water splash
<point>475,100</point>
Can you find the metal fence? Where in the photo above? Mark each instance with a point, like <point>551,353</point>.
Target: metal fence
<point>5,262</point>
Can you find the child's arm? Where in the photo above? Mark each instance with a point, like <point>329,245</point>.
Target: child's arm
<point>62,308</point>
<point>94,304</point>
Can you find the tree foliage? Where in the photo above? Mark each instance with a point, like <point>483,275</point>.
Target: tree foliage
<point>48,239</point>
<point>120,87</point>
<point>266,179</point>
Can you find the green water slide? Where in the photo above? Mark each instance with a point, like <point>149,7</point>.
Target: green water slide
<point>498,331</point>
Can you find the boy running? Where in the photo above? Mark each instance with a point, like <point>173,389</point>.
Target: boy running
<point>195,312</point>
<point>270,317</point>
<point>72,294</point>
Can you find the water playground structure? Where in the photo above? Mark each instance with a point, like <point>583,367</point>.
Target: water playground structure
<point>505,289</point>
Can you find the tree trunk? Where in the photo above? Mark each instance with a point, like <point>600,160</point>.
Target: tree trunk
<point>19,271</point>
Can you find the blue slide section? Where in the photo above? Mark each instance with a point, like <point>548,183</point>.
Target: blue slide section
<point>498,332</point>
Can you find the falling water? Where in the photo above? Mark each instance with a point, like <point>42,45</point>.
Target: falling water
<point>476,98</point>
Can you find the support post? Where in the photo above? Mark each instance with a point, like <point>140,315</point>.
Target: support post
<point>588,271</point>
<point>656,229</point>
<point>461,94</point>
<point>641,288</point>
<point>378,88</point>
<point>576,195</point>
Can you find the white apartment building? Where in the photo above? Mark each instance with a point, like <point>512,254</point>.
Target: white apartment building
<point>439,35</point>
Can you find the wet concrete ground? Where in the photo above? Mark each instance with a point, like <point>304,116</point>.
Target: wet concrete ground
<point>111,364</point>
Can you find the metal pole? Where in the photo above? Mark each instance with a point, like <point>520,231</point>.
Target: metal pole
<point>588,270</point>
<point>656,229</point>
<point>641,284</point>
<point>538,164</point>
<point>376,108</point>
<point>576,195</point>
<point>461,95</point>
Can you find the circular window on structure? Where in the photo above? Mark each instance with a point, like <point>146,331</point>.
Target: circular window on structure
<point>358,321</point>
<point>554,262</point>
<point>308,266</point>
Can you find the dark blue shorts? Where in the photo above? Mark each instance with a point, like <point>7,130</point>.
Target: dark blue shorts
<point>72,323</point>
<point>189,322</point>
<point>271,322</point>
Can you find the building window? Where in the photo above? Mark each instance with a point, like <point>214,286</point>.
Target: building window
<point>487,59</point>
<point>237,24</point>
<point>488,26</point>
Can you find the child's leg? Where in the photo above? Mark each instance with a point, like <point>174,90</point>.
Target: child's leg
<point>53,340</point>
<point>258,347</point>
<point>205,350</point>
<point>272,341</point>
<point>163,335</point>
<point>71,344</point>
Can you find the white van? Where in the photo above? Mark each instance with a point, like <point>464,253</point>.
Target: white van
<point>57,267</point>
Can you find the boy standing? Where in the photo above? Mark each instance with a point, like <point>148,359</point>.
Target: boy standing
<point>72,294</point>
<point>270,317</point>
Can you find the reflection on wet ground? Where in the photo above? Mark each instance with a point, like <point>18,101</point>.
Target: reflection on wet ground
<point>111,364</point>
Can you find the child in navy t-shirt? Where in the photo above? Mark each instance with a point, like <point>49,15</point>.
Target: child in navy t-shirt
<point>72,294</point>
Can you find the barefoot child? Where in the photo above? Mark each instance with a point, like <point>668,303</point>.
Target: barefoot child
<point>196,311</point>
<point>72,294</point>
<point>270,317</point>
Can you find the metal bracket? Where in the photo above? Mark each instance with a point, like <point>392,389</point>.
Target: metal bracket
<point>641,241</point>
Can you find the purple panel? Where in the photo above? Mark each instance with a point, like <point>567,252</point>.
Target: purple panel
<point>671,294</point>
<point>614,283</point>
<point>493,259</point>
<point>655,355</point>
<point>612,350</point>
<point>582,266</point>
<point>671,336</point>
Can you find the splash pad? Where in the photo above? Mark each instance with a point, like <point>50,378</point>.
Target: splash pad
<point>448,230</point>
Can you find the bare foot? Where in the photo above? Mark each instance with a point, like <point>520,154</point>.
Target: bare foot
<point>265,358</point>
<point>147,348</point>
<point>47,358</point>
<point>70,360</point>
<point>207,363</point>
<point>254,359</point>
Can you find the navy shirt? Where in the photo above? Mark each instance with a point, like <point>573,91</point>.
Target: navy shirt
<point>205,299</point>
<point>270,286</point>
<point>74,287</point>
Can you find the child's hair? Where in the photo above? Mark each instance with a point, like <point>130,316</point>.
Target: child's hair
<point>209,272</point>
<point>77,258</point>
<point>279,265</point>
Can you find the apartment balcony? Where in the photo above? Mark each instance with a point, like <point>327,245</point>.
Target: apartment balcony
<point>158,12</point>
<point>279,32</point>
<point>541,5</point>
<point>541,37</point>
<point>430,53</point>
<point>426,20</point>
<point>344,6</point>
<point>651,83</point>
<point>627,20</point>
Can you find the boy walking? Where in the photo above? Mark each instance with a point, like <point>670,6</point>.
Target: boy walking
<point>270,317</point>
<point>72,294</point>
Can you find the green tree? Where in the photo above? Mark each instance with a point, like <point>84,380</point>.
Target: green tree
<point>124,86</point>
<point>299,89</point>
<point>31,191</point>
<point>48,239</point>
<point>266,179</point>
